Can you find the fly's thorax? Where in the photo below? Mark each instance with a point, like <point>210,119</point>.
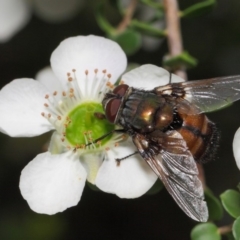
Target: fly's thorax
<point>145,111</point>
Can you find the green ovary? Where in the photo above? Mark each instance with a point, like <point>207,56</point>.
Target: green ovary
<point>82,120</point>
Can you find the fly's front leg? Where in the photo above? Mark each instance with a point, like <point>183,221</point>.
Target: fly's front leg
<point>118,160</point>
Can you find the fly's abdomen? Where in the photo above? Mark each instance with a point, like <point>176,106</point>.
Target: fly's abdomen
<point>201,136</point>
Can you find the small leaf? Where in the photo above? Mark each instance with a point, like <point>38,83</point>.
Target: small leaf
<point>147,28</point>
<point>184,59</point>
<point>205,231</point>
<point>101,19</point>
<point>157,187</point>
<point>236,229</point>
<point>238,186</point>
<point>231,202</point>
<point>198,9</point>
<point>153,4</point>
<point>129,40</point>
<point>229,236</point>
<point>214,206</point>
<point>93,187</point>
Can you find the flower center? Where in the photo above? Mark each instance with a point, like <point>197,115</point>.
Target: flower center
<point>82,123</point>
<point>77,114</point>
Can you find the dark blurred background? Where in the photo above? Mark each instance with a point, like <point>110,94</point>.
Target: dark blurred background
<point>214,39</point>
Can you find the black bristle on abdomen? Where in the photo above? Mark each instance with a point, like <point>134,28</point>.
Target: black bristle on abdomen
<point>211,142</point>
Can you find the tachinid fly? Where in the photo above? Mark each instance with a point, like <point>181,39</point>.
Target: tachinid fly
<point>170,131</point>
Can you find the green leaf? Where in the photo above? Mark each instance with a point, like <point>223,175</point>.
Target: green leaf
<point>229,236</point>
<point>147,28</point>
<point>205,231</point>
<point>215,208</point>
<point>198,9</point>
<point>153,4</point>
<point>183,59</point>
<point>231,202</point>
<point>236,229</point>
<point>157,187</point>
<point>238,186</point>
<point>102,21</point>
<point>93,187</point>
<point>129,40</point>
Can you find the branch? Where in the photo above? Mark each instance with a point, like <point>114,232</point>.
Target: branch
<point>225,229</point>
<point>175,46</point>
<point>174,37</point>
<point>127,17</point>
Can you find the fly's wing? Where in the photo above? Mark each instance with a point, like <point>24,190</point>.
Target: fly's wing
<point>207,95</point>
<point>170,159</point>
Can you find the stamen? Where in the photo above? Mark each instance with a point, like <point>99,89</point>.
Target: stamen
<point>59,107</point>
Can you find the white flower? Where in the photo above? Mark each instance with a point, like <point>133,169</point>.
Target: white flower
<point>83,69</point>
<point>15,14</point>
<point>236,147</point>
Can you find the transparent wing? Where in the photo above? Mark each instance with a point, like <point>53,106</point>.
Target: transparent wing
<point>207,95</point>
<point>173,163</point>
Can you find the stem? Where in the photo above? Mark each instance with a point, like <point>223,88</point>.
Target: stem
<point>175,46</point>
<point>174,37</point>
<point>127,17</point>
<point>225,229</point>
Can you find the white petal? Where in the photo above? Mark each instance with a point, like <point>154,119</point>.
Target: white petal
<point>88,53</point>
<point>92,162</point>
<point>148,77</point>
<point>14,15</point>
<point>131,179</point>
<point>57,10</point>
<point>52,183</point>
<point>21,105</point>
<point>56,144</point>
<point>46,77</point>
<point>236,147</point>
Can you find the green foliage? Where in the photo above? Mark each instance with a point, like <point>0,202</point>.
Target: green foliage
<point>129,40</point>
<point>205,231</point>
<point>32,226</point>
<point>231,202</point>
<point>236,229</point>
<point>198,9</point>
<point>184,59</point>
<point>146,28</point>
<point>102,20</point>
<point>157,187</point>
<point>215,208</point>
<point>93,187</point>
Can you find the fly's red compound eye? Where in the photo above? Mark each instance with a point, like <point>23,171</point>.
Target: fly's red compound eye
<point>112,108</point>
<point>121,89</point>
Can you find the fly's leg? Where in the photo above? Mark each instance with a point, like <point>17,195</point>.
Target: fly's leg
<point>118,160</point>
